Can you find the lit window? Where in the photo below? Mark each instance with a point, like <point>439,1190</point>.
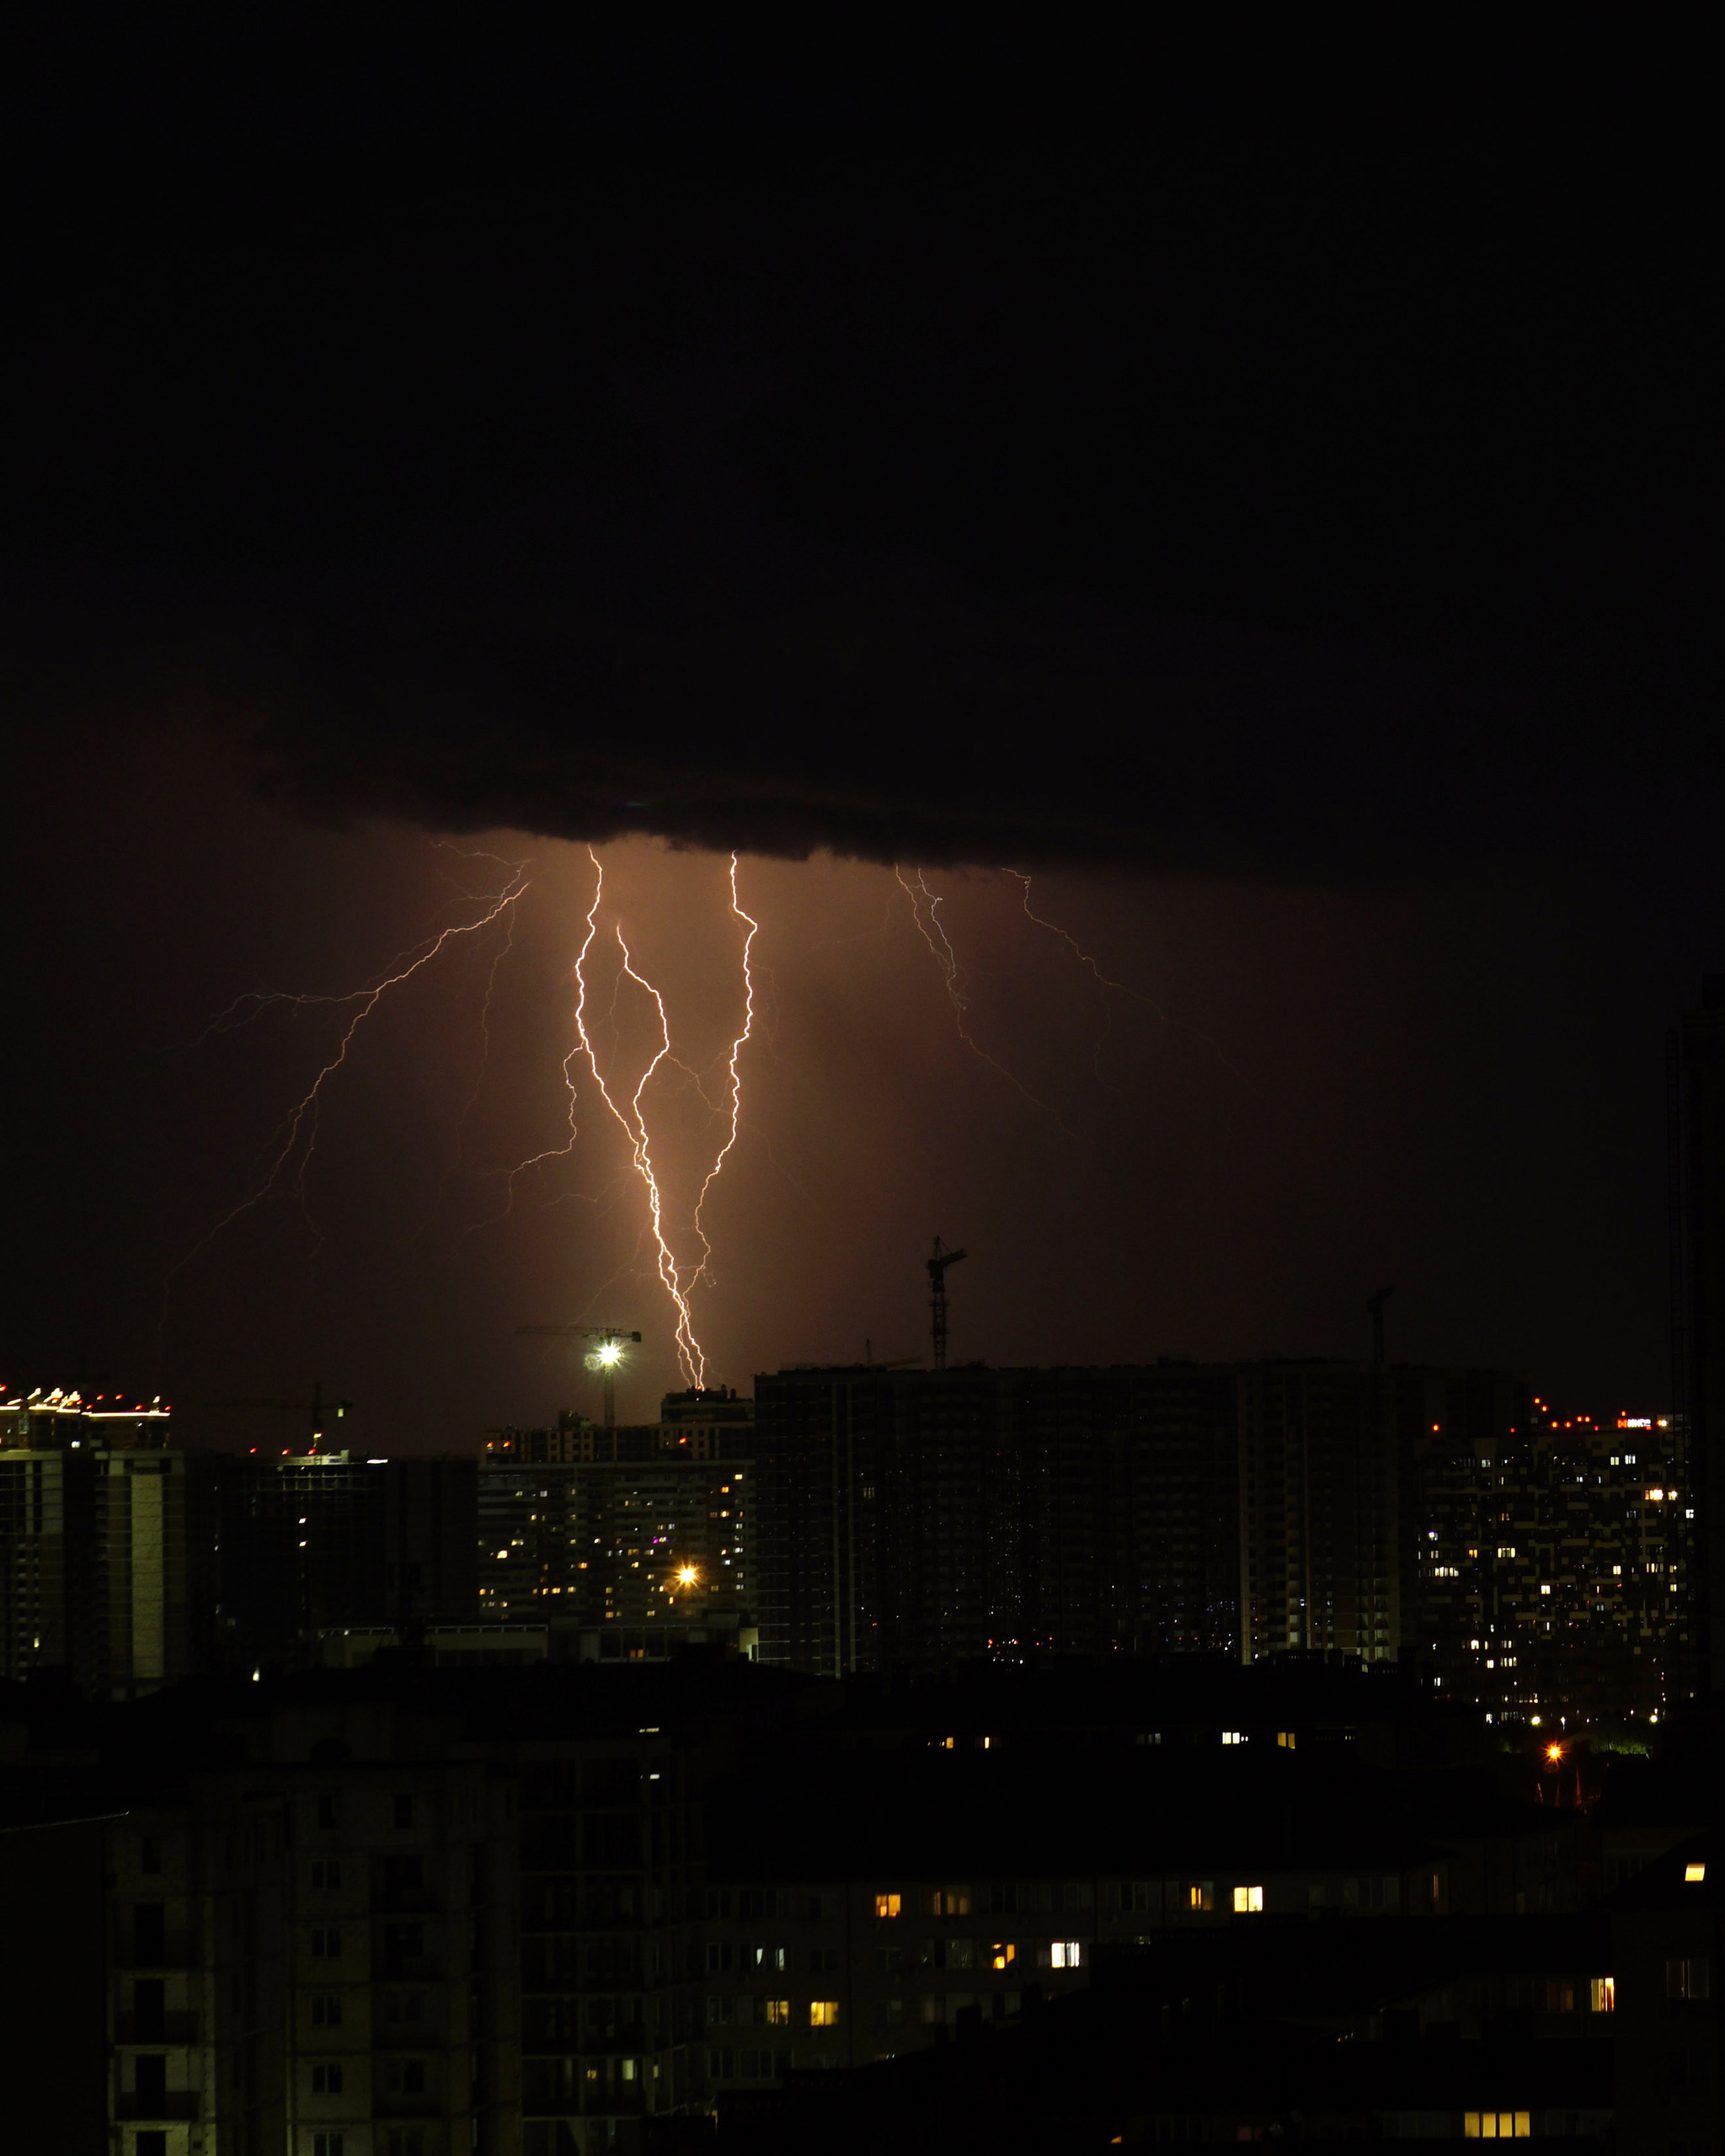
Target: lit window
<point>1200,1894</point>
<point>1496,2126</point>
<point>1003,1953</point>
<point>1602,1995</point>
<point>1232,1736</point>
<point>823,2013</point>
<point>1248,1901</point>
<point>1694,1874</point>
<point>887,1905</point>
<point>778,2011</point>
<point>1545,1587</point>
<point>1287,1738</point>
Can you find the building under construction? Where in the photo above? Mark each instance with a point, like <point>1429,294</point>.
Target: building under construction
<point>925,1518</point>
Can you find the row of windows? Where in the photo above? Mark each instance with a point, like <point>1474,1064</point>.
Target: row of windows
<point>998,1953</point>
<point>1001,1898</point>
<point>402,2076</point>
<point>397,2009</point>
<point>399,2141</point>
<point>401,1874</point>
<point>745,2010</point>
<point>402,1941</point>
<point>747,2065</point>
<point>329,1810</point>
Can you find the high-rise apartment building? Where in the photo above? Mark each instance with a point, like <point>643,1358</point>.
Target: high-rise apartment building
<point>1697,1074</point>
<point>337,1927</point>
<point>104,1573</point>
<point>925,1518</point>
<point>128,1563</point>
<point>322,1541</point>
<point>628,1540</point>
<point>1319,1510</point>
<point>1553,1571</point>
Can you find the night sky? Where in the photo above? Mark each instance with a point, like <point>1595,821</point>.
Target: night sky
<point>1262,493</point>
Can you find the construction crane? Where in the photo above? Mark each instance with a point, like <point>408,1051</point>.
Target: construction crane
<point>320,1410</point>
<point>938,1265</point>
<point>603,1356</point>
<point>1375,1310</point>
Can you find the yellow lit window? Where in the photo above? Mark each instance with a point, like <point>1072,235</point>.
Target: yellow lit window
<point>778,2011</point>
<point>1694,1874</point>
<point>1003,1953</point>
<point>823,2013</point>
<point>887,1905</point>
<point>950,1902</point>
<point>1496,2126</point>
<point>1248,1901</point>
<point>1602,1995</point>
<point>1288,1739</point>
<point>1200,1897</point>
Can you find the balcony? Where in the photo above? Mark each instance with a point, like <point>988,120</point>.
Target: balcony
<point>150,1949</point>
<point>390,1899</point>
<point>171,2031</point>
<point>172,2106</point>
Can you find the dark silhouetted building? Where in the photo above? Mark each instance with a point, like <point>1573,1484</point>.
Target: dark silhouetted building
<point>923,1519</point>
<point>109,1562</point>
<point>919,1519</point>
<point>1697,1104</point>
<point>318,1542</point>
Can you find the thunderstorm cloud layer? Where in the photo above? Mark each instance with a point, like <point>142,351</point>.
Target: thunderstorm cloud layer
<point>1244,479</point>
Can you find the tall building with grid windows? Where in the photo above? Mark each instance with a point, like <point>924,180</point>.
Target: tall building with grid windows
<point>921,1519</point>
<point>628,1541</point>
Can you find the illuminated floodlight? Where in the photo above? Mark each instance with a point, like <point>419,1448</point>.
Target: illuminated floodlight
<point>606,1357</point>
<point>1554,1751</point>
<point>686,1576</point>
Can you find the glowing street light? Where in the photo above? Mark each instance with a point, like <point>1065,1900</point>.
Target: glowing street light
<point>686,1576</point>
<point>604,1356</point>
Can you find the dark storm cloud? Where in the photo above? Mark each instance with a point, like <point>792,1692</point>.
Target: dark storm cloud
<point>1226,486</point>
<point>913,722</point>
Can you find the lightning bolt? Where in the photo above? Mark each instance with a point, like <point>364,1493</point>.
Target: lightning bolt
<point>1104,982</point>
<point>737,1047</point>
<point>301,1121</point>
<point>954,975</point>
<point>633,1125</point>
<point>631,1117</point>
